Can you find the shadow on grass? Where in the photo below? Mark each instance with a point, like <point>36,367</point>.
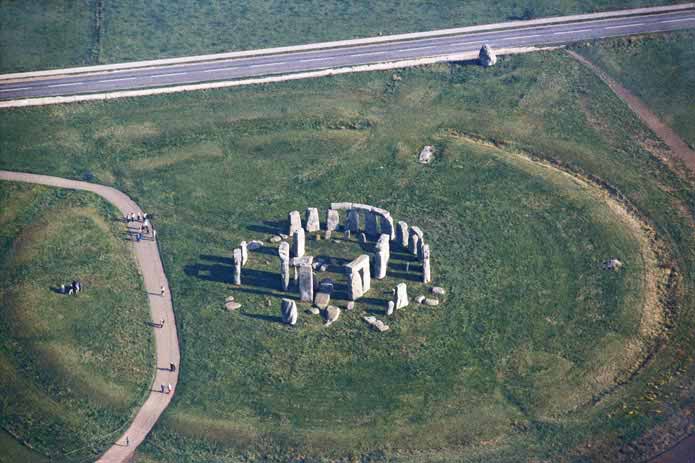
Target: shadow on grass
<point>264,317</point>
<point>271,227</point>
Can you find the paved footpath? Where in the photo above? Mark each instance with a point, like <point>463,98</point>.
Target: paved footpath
<point>166,341</point>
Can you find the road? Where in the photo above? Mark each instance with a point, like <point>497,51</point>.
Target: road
<point>343,56</point>
<point>166,341</point>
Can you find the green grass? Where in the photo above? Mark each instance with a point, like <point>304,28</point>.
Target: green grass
<point>532,333</point>
<point>36,35</point>
<point>72,369</point>
<point>659,69</point>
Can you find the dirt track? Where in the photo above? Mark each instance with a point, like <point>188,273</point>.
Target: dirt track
<point>166,340</point>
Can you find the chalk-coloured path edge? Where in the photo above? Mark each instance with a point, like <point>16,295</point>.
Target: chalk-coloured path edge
<point>166,340</point>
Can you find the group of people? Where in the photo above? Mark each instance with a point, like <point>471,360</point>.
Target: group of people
<point>145,226</point>
<point>71,288</point>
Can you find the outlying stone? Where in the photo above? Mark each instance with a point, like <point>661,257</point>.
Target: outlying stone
<point>312,220</point>
<point>487,57</point>
<point>612,264</point>
<point>331,314</point>
<point>295,222</point>
<point>231,304</point>
<point>426,155</point>
<point>376,324</point>
<point>288,310</point>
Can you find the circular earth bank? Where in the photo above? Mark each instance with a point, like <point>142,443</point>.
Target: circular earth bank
<point>531,329</point>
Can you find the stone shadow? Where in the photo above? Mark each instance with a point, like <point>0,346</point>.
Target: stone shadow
<point>210,272</point>
<point>271,227</point>
<point>219,259</point>
<point>264,317</point>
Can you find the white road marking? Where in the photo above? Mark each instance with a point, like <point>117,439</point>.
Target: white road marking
<point>367,54</point>
<point>115,80</point>
<point>571,32</point>
<point>65,85</point>
<point>677,20</point>
<point>13,89</point>
<point>464,43</point>
<point>266,64</point>
<point>520,37</point>
<point>416,48</point>
<point>313,59</point>
<point>624,25</point>
<point>168,75</point>
<point>221,69</point>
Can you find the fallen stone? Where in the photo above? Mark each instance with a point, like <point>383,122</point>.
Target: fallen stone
<point>313,310</point>
<point>321,300</point>
<point>426,155</point>
<point>275,239</point>
<point>323,268</point>
<point>232,305</point>
<point>288,310</point>
<point>350,305</point>
<point>420,299</point>
<point>283,236</point>
<point>429,301</point>
<point>331,314</point>
<point>438,290</point>
<point>375,324</point>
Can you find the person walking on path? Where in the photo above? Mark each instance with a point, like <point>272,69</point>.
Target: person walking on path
<point>169,389</point>
<point>161,291</point>
<point>127,441</point>
<point>172,367</point>
<point>161,325</point>
<point>162,389</point>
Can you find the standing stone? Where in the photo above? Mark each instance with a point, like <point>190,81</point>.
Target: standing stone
<point>400,296</point>
<point>370,225</point>
<point>285,273</point>
<point>386,225</point>
<point>237,266</point>
<point>383,253</point>
<point>359,277</point>
<point>389,307</point>
<point>298,243</point>
<point>426,270</point>
<point>306,283</point>
<point>363,238</point>
<point>312,220</point>
<point>352,223</point>
<point>487,57</point>
<point>332,220</point>
<point>402,234</point>
<point>295,222</point>
<point>244,253</point>
<point>288,309</point>
<point>416,236</point>
<point>420,249</point>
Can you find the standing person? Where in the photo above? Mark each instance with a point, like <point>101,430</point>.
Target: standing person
<point>127,441</point>
<point>162,389</point>
<point>144,215</point>
<point>169,388</point>
<point>161,291</point>
<point>139,217</point>
<point>172,367</point>
<point>62,289</point>
<point>161,325</point>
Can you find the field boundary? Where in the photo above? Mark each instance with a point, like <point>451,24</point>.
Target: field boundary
<point>166,340</point>
<point>343,43</point>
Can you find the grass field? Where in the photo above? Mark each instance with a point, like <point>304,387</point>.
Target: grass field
<point>40,35</point>
<point>658,69</point>
<point>520,361</point>
<point>72,369</point>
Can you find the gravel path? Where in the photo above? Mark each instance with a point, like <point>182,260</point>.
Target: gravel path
<point>166,340</point>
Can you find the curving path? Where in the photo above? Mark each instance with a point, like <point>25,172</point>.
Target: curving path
<point>166,340</point>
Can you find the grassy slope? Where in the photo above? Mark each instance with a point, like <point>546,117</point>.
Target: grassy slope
<point>73,369</point>
<point>658,69</point>
<point>216,165</point>
<point>63,33</point>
